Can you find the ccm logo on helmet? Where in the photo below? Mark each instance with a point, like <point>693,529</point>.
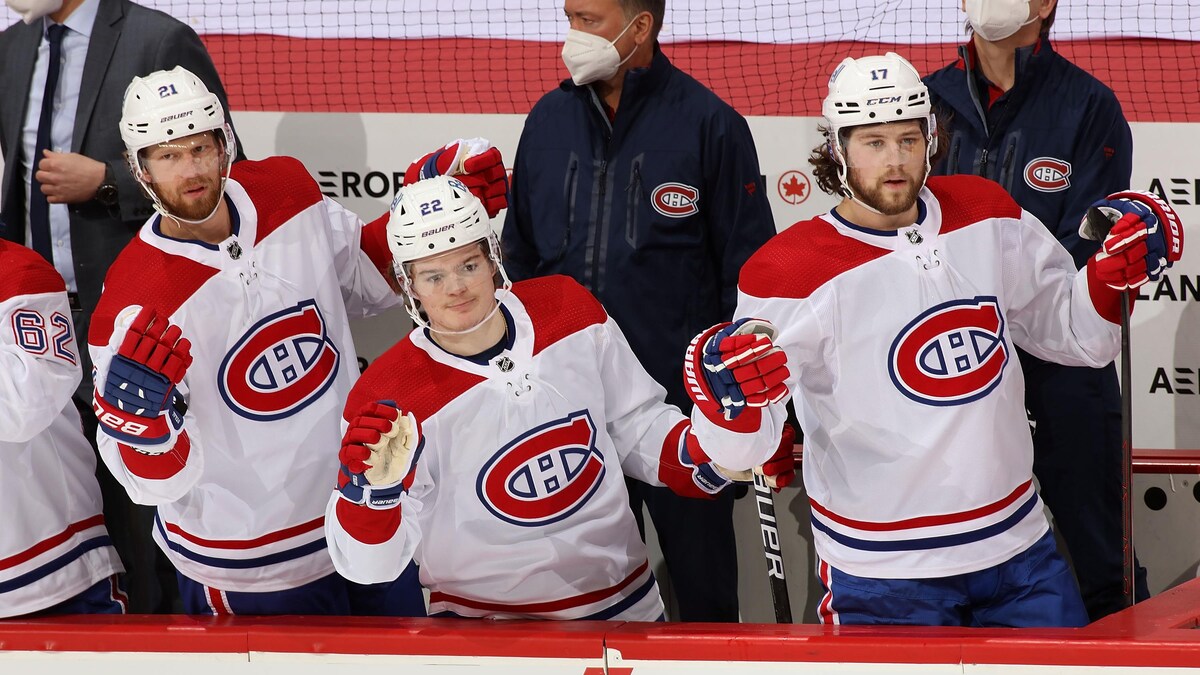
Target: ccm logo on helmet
<point>951,354</point>
<point>282,364</point>
<point>675,200</point>
<point>545,474</point>
<point>1048,174</point>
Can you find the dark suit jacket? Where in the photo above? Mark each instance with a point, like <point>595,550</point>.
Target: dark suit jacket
<point>127,40</point>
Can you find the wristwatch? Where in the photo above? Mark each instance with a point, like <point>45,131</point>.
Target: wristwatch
<point>106,194</point>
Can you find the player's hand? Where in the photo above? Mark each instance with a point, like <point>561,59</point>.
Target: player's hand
<point>474,162</point>
<point>732,366</point>
<point>378,455</point>
<point>779,470</point>
<point>140,405</point>
<point>1146,238</point>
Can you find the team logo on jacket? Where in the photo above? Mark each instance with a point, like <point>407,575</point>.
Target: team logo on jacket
<point>545,474</point>
<point>951,354</point>
<point>675,200</point>
<point>282,364</point>
<point>1048,174</point>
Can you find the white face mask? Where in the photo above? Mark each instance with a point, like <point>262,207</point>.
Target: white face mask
<point>590,58</point>
<point>994,20</point>
<point>32,10</point>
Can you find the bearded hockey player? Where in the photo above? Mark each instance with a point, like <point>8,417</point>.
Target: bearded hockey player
<point>223,357</point>
<point>898,312</point>
<point>491,443</point>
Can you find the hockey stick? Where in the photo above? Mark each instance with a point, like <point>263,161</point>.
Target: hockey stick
<point>1097,229</point>
<point>769,529</point>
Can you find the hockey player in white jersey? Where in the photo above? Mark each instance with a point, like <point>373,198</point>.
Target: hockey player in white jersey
<point>223,357</point>
<point>491,443</point>
<point>55,553</point>
<point>898,312</point>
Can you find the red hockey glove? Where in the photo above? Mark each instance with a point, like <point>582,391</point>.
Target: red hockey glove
<point>1146,238</point>
<point>378,456</point>
<point>734,365</point>
<point>140,405</point>
<point>473,161</point>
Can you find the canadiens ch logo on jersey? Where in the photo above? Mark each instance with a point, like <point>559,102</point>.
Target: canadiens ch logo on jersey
<point>1048,174</point>
<point>675,200</point>
<point>951,354</point>
<point>282,364</point>
<point>545,474</point>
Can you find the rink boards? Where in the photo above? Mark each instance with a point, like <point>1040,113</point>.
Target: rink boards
<point>1157,636</point>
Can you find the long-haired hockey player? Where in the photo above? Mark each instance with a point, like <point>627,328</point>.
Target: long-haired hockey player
<point>898,312</point>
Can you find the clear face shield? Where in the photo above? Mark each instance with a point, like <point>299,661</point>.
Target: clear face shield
<point>450,273</point>
<point>186,177</point>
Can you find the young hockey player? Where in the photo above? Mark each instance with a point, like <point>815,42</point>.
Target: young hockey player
<point>223,355</point>
<point>898,312</point>
<point>491,443</point>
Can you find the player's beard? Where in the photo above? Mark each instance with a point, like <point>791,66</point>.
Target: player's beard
<point>887,202</point>
<point>194,210</point>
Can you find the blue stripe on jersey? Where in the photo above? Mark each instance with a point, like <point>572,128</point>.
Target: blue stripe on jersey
<point>226,563</point>
<point>929,542</point>
<point>56,564</point>
<point>623,605</point>
<point>602,615</point>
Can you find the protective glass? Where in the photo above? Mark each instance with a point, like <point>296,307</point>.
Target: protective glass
<point>430,277</point>
<point>880,147</point>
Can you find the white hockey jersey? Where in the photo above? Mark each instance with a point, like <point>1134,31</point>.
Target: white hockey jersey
<point>53,543</point>
<point>266,311</point>
<point>918,459</point>
<point>519,506</point>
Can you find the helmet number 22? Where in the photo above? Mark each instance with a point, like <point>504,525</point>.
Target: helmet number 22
<point>431,206</point>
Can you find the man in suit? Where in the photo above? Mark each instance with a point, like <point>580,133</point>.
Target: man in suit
<point>66,190</point>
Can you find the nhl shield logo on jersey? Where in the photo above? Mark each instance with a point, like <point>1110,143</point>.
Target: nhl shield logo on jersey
<point>545,474</point>
<point>282,364</point>
<point>951,354</point>
<point>675,200</point>
<point>1047,174</point>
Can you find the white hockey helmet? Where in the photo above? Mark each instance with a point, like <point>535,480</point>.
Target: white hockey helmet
<point>165,106</point>
<point>875,90</point>
<point>434,216</point>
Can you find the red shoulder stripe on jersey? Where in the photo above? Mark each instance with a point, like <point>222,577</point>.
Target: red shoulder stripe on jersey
<point>365,524</point>
<point>801,259</point>
<point>157,467</point>
<point>244,544</point>
<point>26,273</point>
<point>925,521</point>
<point>407,375</point>
<point>543,607</point>
<point>558,306</point>
<point>966,200</point>
<point>146,276</point>
<point>50,542</point>
<point>280,187</point>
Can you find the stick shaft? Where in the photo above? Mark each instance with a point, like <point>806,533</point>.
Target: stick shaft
<point>1127,571</point>
<point>769,529</point>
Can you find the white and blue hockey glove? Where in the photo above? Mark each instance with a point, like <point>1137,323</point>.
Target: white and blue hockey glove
<point>379,455</point>
<point>732,366</point>
<point>1146,238</point>
<point>140,405</point>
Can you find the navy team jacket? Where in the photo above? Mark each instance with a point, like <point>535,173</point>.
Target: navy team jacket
<point>1056,141</point>
<point>654,212</point>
